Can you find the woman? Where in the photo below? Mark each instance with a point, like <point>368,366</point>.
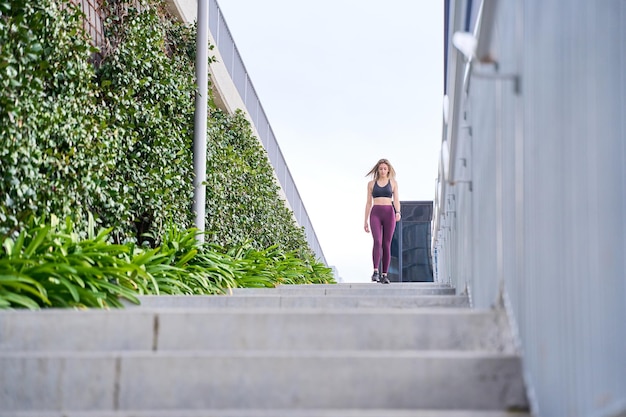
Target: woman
<point>383,211</point>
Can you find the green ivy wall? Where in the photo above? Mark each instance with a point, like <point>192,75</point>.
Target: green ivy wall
<point>115,139</point>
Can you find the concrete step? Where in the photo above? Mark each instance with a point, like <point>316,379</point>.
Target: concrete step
<point>368,289</point>
<point>269,300</point>
<point>260,329</point>
<point>275,413</point>
<point>260,380</point>
<point>300,351</point>
<point>361,285</point>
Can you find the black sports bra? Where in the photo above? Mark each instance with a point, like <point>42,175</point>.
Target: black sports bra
<point>378,191</point>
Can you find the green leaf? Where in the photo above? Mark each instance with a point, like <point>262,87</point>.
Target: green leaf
<point>24,283</point>
<point>73,289</point>
<point>8,246</point>
<point>7,298</point>
<point>19,243</point>
<point>118,290</point>
<point>37,240</point>
<point>148,256</point>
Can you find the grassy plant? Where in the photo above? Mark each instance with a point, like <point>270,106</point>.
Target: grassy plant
<point>49,264</point>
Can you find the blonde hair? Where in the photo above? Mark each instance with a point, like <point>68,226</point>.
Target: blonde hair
<point>374,171</point>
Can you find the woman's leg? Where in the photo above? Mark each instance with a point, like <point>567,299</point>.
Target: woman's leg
<point>376,227</point>
<point>388,219</point>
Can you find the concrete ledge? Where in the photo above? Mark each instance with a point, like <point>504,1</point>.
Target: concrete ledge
<point>260,380</point>
<point>66,329</point>
<point>369,290</point>
<point>274,413</point>
<point>273,300</point>
<point>359,285</point>
<point>260,329</point>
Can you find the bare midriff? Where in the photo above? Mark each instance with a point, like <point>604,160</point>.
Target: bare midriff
<point>382,201</point>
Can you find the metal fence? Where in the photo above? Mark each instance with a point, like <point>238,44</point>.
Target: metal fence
<point>237,70</point>
<point>530,207</point>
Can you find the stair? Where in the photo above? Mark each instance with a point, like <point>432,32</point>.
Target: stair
<point>398,350</point>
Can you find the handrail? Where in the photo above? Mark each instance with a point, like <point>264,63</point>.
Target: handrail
<point>237,70</point>
<point>482,34</point>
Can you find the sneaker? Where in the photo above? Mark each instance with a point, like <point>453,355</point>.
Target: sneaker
<point>384,279</point>
<point>376,276</point>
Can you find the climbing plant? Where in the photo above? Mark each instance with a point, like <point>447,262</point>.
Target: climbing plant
<point>49,123</point>
<point>146,91</point>
<point>241,186</point>
<point>107,135</point>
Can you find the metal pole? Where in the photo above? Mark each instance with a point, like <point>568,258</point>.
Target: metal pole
<point>200,123</point>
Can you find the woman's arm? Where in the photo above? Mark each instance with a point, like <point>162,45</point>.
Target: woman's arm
<point>396,200</point>
<point>368,205</point>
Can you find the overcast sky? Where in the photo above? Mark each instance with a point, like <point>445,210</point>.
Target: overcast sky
<point>343,84</point>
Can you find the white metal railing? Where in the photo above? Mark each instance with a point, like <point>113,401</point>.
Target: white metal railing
<point>237,70</point>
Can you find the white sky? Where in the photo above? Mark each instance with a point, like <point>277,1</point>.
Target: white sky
<point>343,84</point>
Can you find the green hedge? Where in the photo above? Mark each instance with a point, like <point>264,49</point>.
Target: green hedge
<point>241,187</point>
<point>49,121</point>
<point>116,141</point>
<point>109,133</point>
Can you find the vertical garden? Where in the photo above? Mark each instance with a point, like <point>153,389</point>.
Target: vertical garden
<point>96,168</point>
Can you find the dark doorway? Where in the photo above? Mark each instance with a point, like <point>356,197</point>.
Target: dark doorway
<point>411,259</point>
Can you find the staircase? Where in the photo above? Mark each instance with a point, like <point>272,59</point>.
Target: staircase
<point>344,350</point>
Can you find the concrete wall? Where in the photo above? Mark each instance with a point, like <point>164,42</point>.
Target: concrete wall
<point>530,208</point>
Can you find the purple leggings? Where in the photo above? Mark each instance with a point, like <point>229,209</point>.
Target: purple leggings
<point>382,224</point>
